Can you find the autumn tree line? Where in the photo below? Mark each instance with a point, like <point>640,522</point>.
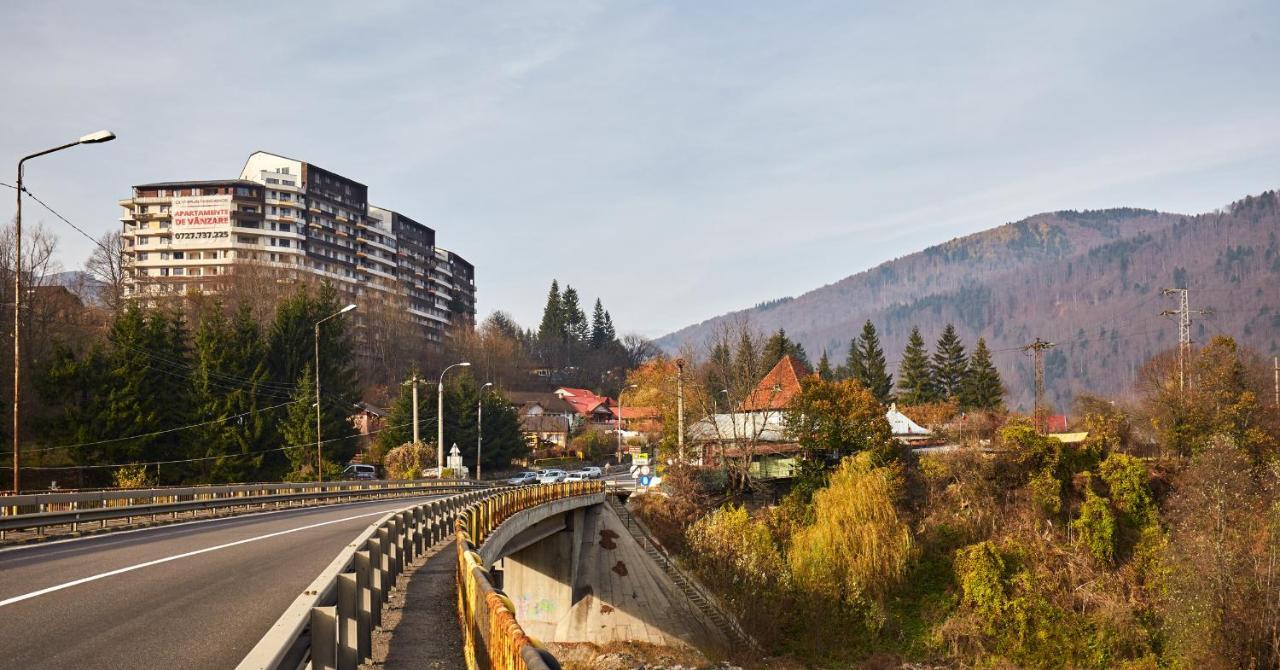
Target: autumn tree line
<point>1152,543</point>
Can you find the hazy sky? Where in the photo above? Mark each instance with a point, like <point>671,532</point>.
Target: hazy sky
<point>677,160</point>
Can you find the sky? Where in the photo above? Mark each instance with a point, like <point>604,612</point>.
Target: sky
<point>677,160</point>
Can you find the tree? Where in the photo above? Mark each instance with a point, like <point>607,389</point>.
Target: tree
<point>105,265</point>
<point>833,419</point>
<point>230,383</point>
<point>599,329</point>
<point>824,367</point>
<point>871,371</point>
<point>780,345</point>
<point>981,387</point>
<point>852,368</point>
<point>552,328</point>
<point>576,329</point>
<point>299,429</point>
<point>948,365</point>
<point>398,425</point>
<point>915,383</point>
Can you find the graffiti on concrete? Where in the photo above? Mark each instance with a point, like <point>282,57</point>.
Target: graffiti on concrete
<point>529,606</point>
<point>607,537</point>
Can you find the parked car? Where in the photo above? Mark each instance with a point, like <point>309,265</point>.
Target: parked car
<point>576,476</point>
<point>551,476</point>
<point>360,471</point>
<point>524,479</point>
<point>592,472</point>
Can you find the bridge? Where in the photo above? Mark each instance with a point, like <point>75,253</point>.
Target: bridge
<point>305,586</point>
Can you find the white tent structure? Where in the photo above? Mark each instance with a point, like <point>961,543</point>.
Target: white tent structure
<point>902,424</point>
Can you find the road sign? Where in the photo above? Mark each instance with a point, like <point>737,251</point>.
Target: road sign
<point>644,481</point>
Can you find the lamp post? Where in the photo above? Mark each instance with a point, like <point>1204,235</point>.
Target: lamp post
<point>619,426</point>
<point>91,138</point>
<point>319,459</point>
<point>480,425</point>
<point>440,417</point>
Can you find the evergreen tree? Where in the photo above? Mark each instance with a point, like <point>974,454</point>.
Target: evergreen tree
<point>149,354</point>
<point>575,321</point>
<point>610,333</point>
<point>299,429</point>
<point>948,364</point>
<point>230,388</point>
<point>747,361</point>
<point>780,345</point>
<point>552,327</point>
<point>872,371</point>
<point>915,385</point>
<point>398,424</point>
<point>982,388</point>
<point>599,338</point>
<point>824,367</point>
<point>852,368</point>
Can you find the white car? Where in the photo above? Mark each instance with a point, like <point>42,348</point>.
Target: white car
<point>592,472</point>
<point>577,476</point>
<point>551,476</point>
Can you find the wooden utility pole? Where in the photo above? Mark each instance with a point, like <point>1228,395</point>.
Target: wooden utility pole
<point>680,409</point>
<point>1036,350</point>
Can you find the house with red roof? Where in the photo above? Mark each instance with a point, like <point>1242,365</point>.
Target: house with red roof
<point>778,388</point>
<point>590,408</point>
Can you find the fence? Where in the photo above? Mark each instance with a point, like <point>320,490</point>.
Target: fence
<point>40,511</point>
<point>492,638</point>
<point>330,626</point>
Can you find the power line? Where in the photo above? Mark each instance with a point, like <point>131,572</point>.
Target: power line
<point>158,432</point>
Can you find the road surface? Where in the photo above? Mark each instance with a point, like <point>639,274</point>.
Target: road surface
<point>196,595</point>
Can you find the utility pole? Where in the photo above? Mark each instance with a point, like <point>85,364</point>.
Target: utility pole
<point>480,425</point>
<point>1183,313</point>
<point>680,409</point>
<point>1037,349</point>
<point>1275,372</point>
<point>413,382</point>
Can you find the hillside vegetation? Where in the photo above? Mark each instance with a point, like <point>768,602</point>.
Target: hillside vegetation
<point>1088,281</point>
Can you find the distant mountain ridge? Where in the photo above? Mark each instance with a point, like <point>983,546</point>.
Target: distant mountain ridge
<point>1087,280</point>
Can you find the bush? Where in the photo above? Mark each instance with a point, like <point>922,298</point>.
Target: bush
<point>131,477</point>
<point>1096,527</point>
<point>980,571</point>
<point>409,460</point>
<point>736,557</point>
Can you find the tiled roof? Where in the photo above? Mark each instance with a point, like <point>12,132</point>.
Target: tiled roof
<point>584,402</point>
<point>778,388</point>
<point>630,413</point>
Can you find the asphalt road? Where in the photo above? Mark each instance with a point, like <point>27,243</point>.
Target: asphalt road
<point>196,595</point>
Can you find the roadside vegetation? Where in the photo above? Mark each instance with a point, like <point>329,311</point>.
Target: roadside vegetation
<point>1153,543</point>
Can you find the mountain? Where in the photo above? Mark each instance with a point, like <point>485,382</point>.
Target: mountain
<point>1089,281</point>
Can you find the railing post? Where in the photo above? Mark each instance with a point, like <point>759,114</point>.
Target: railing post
<point>324,638</point>
<point>364,612</point>
<point>376,578</point>
<point>384,564</point>
<point>348,615</point>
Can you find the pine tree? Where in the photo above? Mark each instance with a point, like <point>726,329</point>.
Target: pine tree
<point>610,333</point>
<point>780,345</point>
<point>948,364</point>
<point>915,385</point>
<point>872,372</point>
<point>824,367</point>
<point>552,328</point>
<point>852,368</point>
<point>981,388</point>
<point>299,429</point>
<point>398,424</point>
<point>230,371</point>
<point>575,321</point>
<point>747,363</point>
<point>599,338</point>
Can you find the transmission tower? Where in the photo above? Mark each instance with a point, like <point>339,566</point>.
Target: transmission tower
<point>1036,350</point>
<point>1183,313</point>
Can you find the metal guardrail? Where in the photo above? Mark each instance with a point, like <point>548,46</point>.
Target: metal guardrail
<point>330,625</point>
<point>42,510</point>
<point>492,638</point>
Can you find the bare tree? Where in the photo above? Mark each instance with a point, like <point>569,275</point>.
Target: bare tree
<point>106,264</point>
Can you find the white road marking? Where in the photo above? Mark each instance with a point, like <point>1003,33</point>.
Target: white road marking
<point>139,566</point>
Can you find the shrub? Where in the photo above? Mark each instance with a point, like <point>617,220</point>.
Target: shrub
<point>1046,493</point>
<point>1096,527</point>
<point>980,572</point>
<point>737,558</point>
<point>131,477</point>
<point>409,460</point>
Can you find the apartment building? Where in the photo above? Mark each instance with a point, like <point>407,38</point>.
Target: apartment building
<point>294,220</point>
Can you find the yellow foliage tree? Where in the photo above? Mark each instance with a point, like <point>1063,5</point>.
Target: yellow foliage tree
<point>857,546</point>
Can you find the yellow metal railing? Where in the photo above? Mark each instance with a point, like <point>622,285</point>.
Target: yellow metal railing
<point>492,638</point>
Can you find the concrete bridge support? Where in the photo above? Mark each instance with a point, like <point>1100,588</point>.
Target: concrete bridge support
<point>578,576</point>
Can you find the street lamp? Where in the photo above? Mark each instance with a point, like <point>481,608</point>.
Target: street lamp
<point>440,417</point>
<point>620,392</point>
<point>319,459</point>
<point>480,425</point>
<point>91,138</point>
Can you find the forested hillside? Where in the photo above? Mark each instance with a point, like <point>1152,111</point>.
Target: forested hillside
<point>1088,281</point>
